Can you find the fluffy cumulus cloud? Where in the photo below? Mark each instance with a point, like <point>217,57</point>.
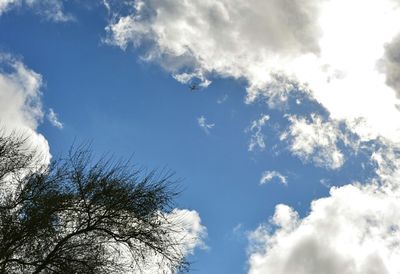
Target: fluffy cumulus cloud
<point>355,230</point>
<point>178,26</point>
<point>272,44</point>
<point>50,9</point>
<point>20,102</point>
<point>232,38</point>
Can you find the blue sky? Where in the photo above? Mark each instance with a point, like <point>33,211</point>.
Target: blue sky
<point>103,91</point>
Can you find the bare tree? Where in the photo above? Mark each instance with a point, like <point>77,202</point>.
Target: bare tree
<point>83,216</point>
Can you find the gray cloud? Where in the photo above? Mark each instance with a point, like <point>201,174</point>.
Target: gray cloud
<point>390,64</point>
<point>204,31</point>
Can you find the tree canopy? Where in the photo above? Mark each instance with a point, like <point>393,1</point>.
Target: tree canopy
<point>78,215</point>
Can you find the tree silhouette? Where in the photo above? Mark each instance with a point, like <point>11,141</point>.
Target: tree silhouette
<point>78,215</point>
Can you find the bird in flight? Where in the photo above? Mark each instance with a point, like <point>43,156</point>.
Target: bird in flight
<point>194,86</point>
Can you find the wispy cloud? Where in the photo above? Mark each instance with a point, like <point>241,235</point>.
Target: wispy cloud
<point>206,127</point>
<point>223,99</point>
<point>52,10</point>
<point>53,119</point>
<point>270,175</point>
<point>257,139</point>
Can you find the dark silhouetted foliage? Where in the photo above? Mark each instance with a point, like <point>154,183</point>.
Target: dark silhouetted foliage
<point>82,216</point>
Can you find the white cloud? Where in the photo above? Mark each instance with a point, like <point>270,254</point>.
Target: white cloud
<point>315,140</point>
<point>205,34</point>
<point>190,235</point>
<point>257,138</point>
<point>49,9</point>
<point>6,4</point>
<point>268,176</point>
<point>53,119</point>
<point>187,230</point>
<point>202,121</point>
<point>273,44</point>
<point>341,53</point>
<point>354,230</point>
<point>387,160</point>
<point>20,102</point>
<point>177,25</point>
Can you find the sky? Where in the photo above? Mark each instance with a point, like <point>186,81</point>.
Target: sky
<point>280,119</point>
